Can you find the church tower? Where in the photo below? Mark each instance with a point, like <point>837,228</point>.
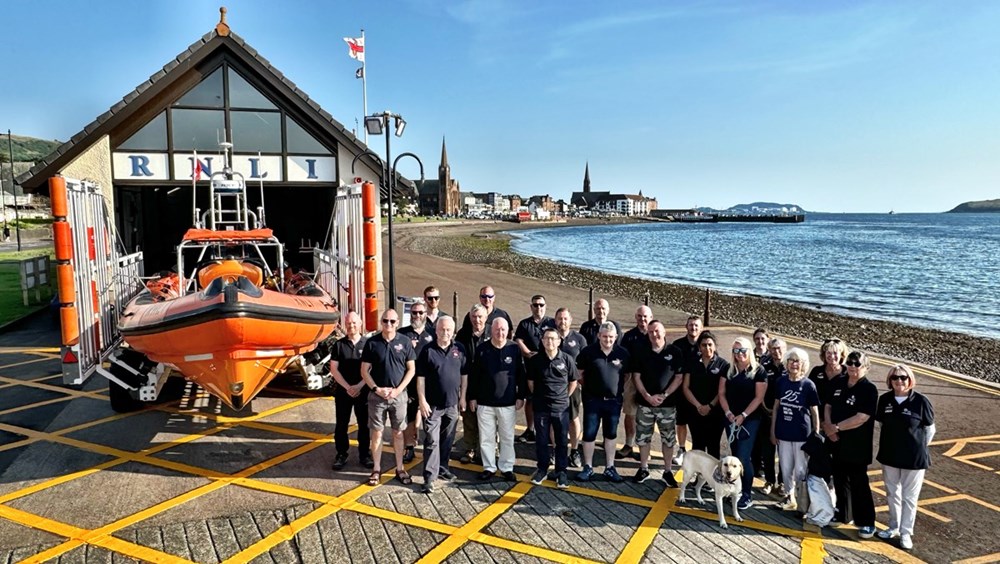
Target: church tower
<point>447,200</point>
<point>586,179</point>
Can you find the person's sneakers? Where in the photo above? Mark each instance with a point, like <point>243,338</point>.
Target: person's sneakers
<point>368,462</point>
<point>469,457</point>
<point>409,454</point>
<point>575,460</point>
<point>641,475</point>
<point>340,462</point>
<point>446,475</point>
<point>866,532</point>
<point>906,542</point>
<point>586,474</point>
<point>612,475</point>
<point>562,481</point>
<point>624,452</point>
<point>538,477</point>
<point>679,457</point>
<point>788,504</point>
<point>779,490</point>
<point>428,488</point>
<point>509,475</point>
<point>486,475</point>
<point>527,437</point>
<point>668,478</point>
<point>767,489</point>
<point>745,502</point>
<point>888,534</point>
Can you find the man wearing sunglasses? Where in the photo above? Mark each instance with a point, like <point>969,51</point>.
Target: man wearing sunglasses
<point>387,366</point>
<point>488,298</point>
<point>528,337</point>
<point>432,297</point>
<point>420,334</point>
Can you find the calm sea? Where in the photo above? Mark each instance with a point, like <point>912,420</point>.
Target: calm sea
<point>933,270</point>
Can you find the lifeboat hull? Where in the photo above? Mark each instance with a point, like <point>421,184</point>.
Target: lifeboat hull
<point>231,338</point>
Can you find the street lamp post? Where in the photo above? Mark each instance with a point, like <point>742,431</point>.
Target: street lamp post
<point>378,124</point>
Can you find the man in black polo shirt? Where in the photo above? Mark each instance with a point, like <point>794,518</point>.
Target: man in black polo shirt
<point>488,298</point>
<point>420,334</point>
<point>660,370</point>
<point>688,345</point>
<point>603,369</point>
<point>635,342</point>
<point>442,377</point>
<point>471,336</point>
<point>551,380</point>
<point>528,336</point>
<point>387,366</point>
<point>351,393</point>
<point>591,328</point>
<point>497,393</point>
<point>572,343</point>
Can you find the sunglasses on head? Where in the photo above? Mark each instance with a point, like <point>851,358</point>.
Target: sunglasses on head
<point>831,341</point>
<point>740,350</point>
<point>853,362</point>
<point>899,377</point>
<point>390,321</point>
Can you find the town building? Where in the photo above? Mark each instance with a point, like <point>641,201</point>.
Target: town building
<point>608,202</point>
<point>441,196</point>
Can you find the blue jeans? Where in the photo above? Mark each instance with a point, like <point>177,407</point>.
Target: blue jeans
<point>741,448</point>
<point>559,423</point>
<point>601,412</point>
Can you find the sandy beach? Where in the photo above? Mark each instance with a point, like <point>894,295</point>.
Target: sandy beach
<point>477,253</point>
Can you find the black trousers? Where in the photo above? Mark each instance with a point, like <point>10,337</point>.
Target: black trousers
<point>344,404</point>
<point>763,454</point>
<point>854,493</point>
<point>706,431</point>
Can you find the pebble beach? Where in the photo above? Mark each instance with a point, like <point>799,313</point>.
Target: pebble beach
<point>484,243</point>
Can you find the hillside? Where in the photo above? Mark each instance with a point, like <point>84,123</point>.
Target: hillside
<point>757,208</point>
<point>27,149</point>
<point>981,206</point>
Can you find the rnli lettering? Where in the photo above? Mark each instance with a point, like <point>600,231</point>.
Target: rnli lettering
<point>266,168</point>
<point>140,166</point>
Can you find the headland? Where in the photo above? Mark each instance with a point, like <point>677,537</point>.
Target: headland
<point>485,244</point>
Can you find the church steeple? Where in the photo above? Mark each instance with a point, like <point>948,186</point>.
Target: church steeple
<point>586,179</point>
<point>444,158</point>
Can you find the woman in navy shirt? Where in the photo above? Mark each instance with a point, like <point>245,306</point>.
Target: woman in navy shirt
<point>833,353</point>
<point>796,417</point>
<point>907,420</point>
<point>701,390</point>
<point>849,423</point>
<point>741,392</point>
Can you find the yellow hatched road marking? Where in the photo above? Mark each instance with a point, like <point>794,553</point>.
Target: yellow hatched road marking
<point>812,551</point>
<point>461,536</point>
<point>139,552</point>
<point>967,457</point>
<point>32,361</point>
<point>530,550</point>
<point>650,526</point>
<point>756,525</point>
<point>877,547</point>
<point>29,350</point>
<point>984,559</point>
<point>965,440</point>
<point>58,389</point>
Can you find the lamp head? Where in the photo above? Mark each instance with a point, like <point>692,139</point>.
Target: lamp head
<point>374,125</point>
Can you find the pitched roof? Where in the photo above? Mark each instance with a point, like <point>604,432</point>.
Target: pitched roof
<point>188,59</point>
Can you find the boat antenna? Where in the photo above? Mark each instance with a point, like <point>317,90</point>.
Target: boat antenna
<point>260,178</point>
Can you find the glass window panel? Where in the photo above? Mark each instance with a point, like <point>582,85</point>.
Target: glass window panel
<point>152,136</point>
<point>198,130</point>
<point>300,141</point>
<point>256,131</point>
<point>206,93</point>
<point>242,95</point>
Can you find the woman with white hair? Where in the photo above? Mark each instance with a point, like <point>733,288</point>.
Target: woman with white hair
<point>907,420</point>
<point>796,417</point>
<point>741,392</point>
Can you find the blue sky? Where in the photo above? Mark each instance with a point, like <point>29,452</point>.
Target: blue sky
<point>835,106</point>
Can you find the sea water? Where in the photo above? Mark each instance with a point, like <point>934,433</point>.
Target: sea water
<point>934,270</point>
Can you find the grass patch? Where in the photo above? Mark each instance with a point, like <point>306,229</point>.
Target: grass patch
<point>495,242</point>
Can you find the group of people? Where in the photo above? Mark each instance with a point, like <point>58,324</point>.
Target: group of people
<point>763,401</point>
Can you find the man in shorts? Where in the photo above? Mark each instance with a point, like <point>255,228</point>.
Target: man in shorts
<point>603,370</point>
<point>420,334</point>
<point>660,374</point>
<point>387,366</point>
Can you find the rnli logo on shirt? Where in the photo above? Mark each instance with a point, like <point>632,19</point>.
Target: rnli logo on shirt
<point>427,338</point>
<point>616,362</point>
<point>571,343</point>
<point>714,370</point>
<point>560,366</point>
<point>507,360</point>
<point>907,412</point>
<point>397,347</point>
<point>669,357</point>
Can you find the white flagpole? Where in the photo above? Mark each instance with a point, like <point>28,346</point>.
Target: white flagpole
<point>194,189</point>
<point>364,83</point>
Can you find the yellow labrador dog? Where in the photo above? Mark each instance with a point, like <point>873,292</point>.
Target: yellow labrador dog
<point>723,475</point>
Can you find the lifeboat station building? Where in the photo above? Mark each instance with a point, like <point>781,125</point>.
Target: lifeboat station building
<point>142,150</point>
